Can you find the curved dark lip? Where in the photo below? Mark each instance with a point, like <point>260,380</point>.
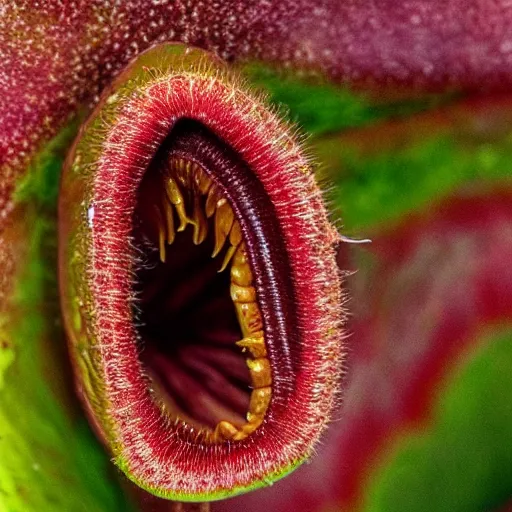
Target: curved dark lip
<point>265,243</point>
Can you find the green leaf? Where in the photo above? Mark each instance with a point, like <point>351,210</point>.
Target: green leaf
<point>50,460</point>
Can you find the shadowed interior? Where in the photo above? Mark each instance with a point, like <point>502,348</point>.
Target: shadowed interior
<point>201,321</point>
<point>187,321</point>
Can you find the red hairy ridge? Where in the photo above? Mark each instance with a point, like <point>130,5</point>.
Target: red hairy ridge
<point>97,203</point>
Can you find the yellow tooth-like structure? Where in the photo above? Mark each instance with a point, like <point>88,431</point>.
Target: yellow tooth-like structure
<point>224,217</point>
<point>188,187</point>
<point>241,294</point>
<point>161,232</point>
<point>176,198</point>
<point>169,218</point>
<point>260,372</point>
<point>203,182</point>
<point>255,344</point>
<point>180,170</point>
<point>249,318</point>
<point>260,400</point>
<point>223,431</point>
<point>200,223</point>
<point>161,243</point>
<point>227,257</point>
<point>235,235</point>
<point>241,274</point>
<point>211,200</point>
<point>244,295</point>
<point>183,171</point>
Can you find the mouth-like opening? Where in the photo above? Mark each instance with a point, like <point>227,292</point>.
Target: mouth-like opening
<point>203,384</point>
<point>200,327</point>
